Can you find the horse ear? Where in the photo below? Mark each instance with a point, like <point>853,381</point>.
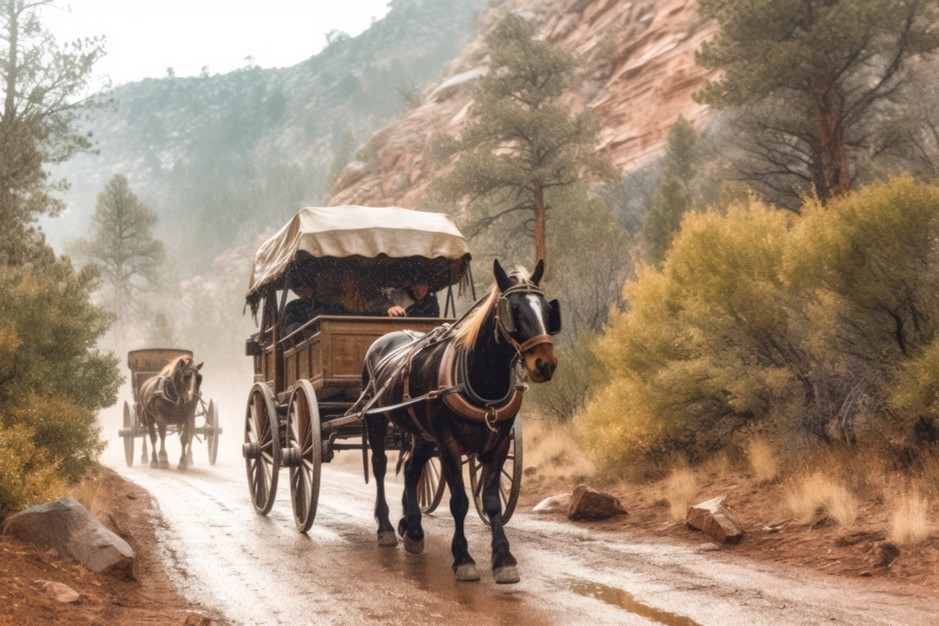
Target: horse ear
<point>502,278</point>
<point>199,366</point>
<point>538,274</point>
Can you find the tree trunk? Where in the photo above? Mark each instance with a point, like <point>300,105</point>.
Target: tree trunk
<point>540,247</point>
<point>833,157</point>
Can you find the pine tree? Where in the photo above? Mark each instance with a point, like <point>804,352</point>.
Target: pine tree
<point>812,81</point>
<point>522,141</point>
<point>122,245</point>
<point>673,196</point>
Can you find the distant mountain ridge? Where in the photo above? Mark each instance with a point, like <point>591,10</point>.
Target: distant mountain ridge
<point>220,156</point>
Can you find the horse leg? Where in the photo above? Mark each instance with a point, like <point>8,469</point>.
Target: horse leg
<point>410,525</point>
<point>185,439</point>
<point>503,563</point>
<point>164,461</point>
<point>151,429</point>
<point>377,429</point>
<point>464,567</point>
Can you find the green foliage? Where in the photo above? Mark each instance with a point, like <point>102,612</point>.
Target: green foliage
<point>53,379</point>
<point>810,83</point>
<point>819,326</point>
<point>26,478</point>
<point>521,140</point>
<point>47,87</point>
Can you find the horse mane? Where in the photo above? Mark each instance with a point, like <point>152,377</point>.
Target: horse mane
<point>170,368</point>
<point>467,332</point>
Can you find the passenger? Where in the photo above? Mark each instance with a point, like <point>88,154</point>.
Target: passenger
<point>425,301</point>
<point>300,311</point>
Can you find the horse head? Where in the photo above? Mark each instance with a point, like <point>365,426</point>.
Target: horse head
<point>186,378</point>
<point>527,320</point>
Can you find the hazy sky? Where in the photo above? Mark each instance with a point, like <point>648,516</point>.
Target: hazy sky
<point>144,37</point>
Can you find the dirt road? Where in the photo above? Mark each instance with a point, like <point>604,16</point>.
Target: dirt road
<point>260,570</point>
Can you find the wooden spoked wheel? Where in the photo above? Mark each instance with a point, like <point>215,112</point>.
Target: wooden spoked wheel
<point>510,482</point>
<point>128,434</point>
<point>430,486</point>
<point>211,421</point>
<point>261,447</point>
<point>303,453</point>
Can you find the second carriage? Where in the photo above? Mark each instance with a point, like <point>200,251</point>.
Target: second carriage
<point>306,380</point>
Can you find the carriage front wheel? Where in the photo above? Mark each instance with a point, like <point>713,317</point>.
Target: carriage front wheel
<point>303,453</point>
<point>128,434</point>
<point>510,482</point>
<point>262,447</point>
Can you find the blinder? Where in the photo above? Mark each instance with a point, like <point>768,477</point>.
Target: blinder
<point>554,317</point>
<point>504,311</point>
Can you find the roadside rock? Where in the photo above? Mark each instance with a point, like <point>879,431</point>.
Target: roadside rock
<point>590,504</point>
<point>59,591</point>
<point>67,527</point>
<point>713,519</point>
<point>554,504</point>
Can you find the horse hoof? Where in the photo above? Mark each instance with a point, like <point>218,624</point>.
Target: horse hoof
<point>414,546</point>
<point>506,574</point>
<point>182,466</point>
<point>387,538</point>
<point>164,465</point>
<point>466,572</point>
<point>155,464</point>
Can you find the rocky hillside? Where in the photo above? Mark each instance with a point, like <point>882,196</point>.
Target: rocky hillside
<point>640,73</point>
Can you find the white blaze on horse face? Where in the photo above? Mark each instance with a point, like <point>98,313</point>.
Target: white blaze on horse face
<point>535,303</point>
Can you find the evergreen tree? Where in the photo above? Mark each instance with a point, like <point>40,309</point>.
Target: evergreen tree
<point>522,142</point>
<point>46,88</point>
<point>673,196</point>
<point>811,80</point>
<point>122,245</point>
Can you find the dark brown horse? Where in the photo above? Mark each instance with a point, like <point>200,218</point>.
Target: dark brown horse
<point>455,391</point>
<point>171,397</point>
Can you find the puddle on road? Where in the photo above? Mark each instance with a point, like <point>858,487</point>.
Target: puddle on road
<point>625,600</point>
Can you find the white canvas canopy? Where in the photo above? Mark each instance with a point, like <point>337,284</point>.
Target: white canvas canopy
<point>359,234</point>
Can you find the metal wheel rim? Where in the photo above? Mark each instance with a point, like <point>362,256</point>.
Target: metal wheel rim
<point>430,486</point>
<point>128,436</point>
<point>304,434</point>
<point>510,481</point>
<point>261,428</point>
<point>211,418</point>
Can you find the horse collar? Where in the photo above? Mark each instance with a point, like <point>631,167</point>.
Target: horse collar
<point>467,403</point>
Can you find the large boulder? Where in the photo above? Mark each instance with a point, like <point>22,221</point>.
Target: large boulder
<point>67,527</point>
<point>590,504</point>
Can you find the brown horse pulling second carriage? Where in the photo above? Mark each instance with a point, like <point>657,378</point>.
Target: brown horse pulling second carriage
<point>148,365</point>
<point>312,397</point>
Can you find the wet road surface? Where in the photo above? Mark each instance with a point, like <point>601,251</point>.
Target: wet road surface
<point>260,570</point>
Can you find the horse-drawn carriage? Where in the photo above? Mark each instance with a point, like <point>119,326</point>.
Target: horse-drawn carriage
<point>145,365</point>
<point>313,397</point>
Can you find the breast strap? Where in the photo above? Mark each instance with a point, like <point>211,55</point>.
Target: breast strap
<point>496,411</point>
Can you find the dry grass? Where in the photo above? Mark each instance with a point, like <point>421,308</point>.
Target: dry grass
<point>86,492</point>
<point>909,517</point>
<point>551,452</point>
<point>681,487</point>
<point>762,460</point>
<point>818,496</point>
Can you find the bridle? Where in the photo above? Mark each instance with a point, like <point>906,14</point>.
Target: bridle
<point>505,324</point>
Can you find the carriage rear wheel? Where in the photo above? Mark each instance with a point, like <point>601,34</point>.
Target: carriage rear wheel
<point>211,422</point>
<point>430,486</point>
<point>510,482</point>
<point>303,453</point>
<point>261,447</point>
<point>129,423</point>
